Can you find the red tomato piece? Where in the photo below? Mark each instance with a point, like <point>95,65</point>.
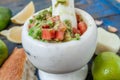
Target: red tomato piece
<point>52,32</point>
<point>82,27</point>
<point>45,26</point>
<point>59,35</point>
<point>48,34</point>
<point>78,18</point>
<point>75,30</point>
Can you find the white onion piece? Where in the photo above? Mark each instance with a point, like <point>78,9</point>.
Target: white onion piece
<point>66,12</point>
<point>107,41</point>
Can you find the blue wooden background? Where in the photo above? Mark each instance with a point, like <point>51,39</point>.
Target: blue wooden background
<point>99,9</point>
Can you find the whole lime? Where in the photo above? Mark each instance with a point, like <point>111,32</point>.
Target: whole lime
<point>3,52</point>
<point>5,15</point>
<point>106,66</point>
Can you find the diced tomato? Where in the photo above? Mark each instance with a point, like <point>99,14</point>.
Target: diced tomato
<point>82,27</point>
<point>52,32</point>
<point>60,32</point>
<point>48,34</point>
<point>78,18</point>
<point>55,18</point>
<point>45,26</point>
<point>62,27</point>
<point>75,30</point>
<point>59,35</point>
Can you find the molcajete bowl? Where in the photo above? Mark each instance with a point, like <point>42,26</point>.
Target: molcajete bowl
<point>62,57</point>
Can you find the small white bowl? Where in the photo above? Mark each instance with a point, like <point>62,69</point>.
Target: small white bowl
<point>62,57</point>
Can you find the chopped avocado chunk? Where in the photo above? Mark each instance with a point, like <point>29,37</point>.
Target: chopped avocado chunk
<point>68,24</point>
<point>35,32</point>
<point>42,15</point>
<point>68,36</point>
<point>56,25</point>
<point>50,23</point>
<point>77,36</point>
<point>31,30</point>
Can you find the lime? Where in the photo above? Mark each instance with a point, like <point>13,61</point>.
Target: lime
<point>5,15</point>
<point>3,52</point>
<point>106,66</point>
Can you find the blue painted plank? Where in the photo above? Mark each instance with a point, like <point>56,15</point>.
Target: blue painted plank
<point>98,8</point>
<point>116,3</point>
<point>113,21</point>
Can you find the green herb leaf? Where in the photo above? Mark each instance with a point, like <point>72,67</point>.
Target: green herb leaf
<point>77,36</point>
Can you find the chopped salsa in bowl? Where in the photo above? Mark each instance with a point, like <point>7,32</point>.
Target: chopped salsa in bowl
<point>48,28</point>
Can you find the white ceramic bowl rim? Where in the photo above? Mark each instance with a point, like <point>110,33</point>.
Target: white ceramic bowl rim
<point>90,28</point>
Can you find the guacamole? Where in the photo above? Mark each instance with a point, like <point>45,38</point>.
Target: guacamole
<point>48,28</point>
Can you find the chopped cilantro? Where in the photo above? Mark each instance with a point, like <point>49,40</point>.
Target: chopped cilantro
<point>50,23</point>
<point>35,32</point>
<point>77,36</point>
<point>31,20</point>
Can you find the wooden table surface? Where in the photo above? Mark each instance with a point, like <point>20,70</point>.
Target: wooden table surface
<point>99,9</point>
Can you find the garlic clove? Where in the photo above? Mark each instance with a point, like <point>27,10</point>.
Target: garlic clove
<point>112,29</point>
